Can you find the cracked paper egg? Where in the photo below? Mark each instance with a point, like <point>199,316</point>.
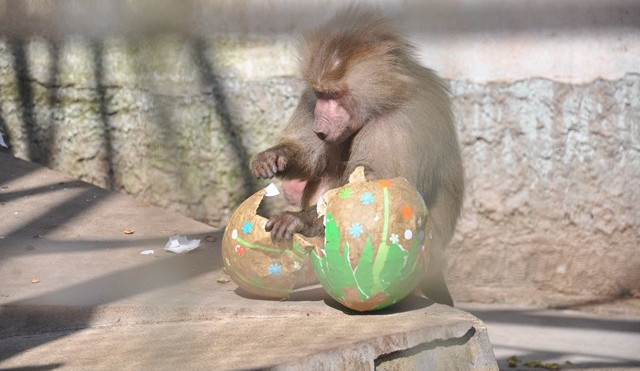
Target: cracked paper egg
<point>258,264</point>
<point>375,250</point>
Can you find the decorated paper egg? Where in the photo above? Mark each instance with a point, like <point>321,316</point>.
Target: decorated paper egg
<point>375,250</point>
<point>255,262</point>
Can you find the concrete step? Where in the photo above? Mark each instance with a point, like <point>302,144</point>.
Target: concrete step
<point>77,293</point>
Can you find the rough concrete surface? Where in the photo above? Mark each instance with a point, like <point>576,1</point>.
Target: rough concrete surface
<point>552,172</point>
<point>604,336</point>
<point>77,293</point>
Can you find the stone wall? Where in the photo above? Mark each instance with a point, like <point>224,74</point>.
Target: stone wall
<point>551,213</point>
<point>552,207</point>
<point>157,117</point>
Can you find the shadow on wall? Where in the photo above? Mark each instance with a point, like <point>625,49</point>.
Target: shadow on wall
<point>97,49</point>
<point>149,115</point>
<point>41,134</point>
<point>208,76</point>
<point>5,143</point>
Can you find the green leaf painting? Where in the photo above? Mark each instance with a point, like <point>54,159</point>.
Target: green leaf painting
<point>334,270</point>
<point>364,271</point>
<point>336,274</point>
<point>365,264</point>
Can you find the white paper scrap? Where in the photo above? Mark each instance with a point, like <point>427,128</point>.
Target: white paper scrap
<point>147,252</point>
<point>2,143</point>
<point>181,244</point>
<point>272,190</point>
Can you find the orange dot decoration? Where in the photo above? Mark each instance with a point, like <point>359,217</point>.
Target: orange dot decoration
<point>406,212</point>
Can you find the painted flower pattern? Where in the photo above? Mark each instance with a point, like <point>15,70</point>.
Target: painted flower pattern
<point>239,250</point>
<point>247,227</point>
<point>394,238</point>
<point>356,230</point>
<point>345,193</point>
<point>275,269</point>
<point>367,198</point>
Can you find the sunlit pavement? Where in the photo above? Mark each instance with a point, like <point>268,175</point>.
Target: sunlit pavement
<point>606,336</point>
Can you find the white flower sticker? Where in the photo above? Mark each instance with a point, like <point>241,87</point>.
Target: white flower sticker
<point>408,234</point>
<point>394,238</point>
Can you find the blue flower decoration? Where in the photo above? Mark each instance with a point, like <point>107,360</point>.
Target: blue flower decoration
<point>367,198</point>
<point>275,269</point>
<point>247,227</point>
<point>356,230</point>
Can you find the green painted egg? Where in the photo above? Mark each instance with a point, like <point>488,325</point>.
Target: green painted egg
<point>375,250</point>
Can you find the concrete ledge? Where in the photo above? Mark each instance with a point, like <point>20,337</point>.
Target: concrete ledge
<point>77,293</point>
